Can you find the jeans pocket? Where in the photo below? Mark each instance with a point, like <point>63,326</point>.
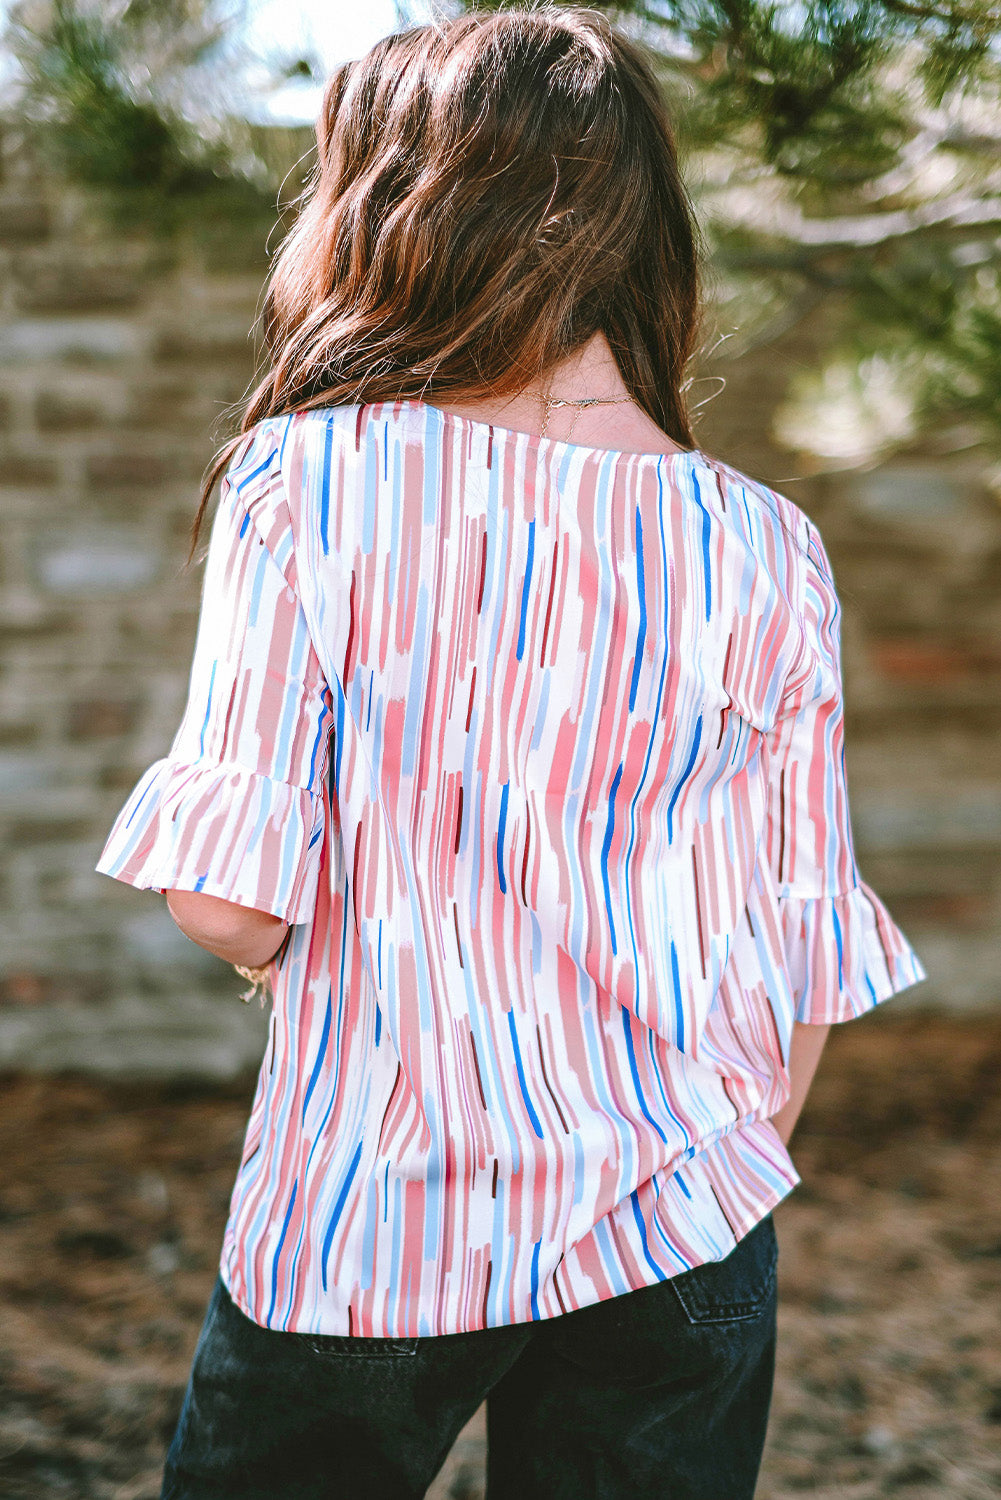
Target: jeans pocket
<point>347,1346</point>
<point>737,1288</point>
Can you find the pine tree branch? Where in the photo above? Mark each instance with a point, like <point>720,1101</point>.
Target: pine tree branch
<point>950,14</point>
<point>866,231</point>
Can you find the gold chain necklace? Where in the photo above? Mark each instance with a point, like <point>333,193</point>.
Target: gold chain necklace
<point>582,404</point>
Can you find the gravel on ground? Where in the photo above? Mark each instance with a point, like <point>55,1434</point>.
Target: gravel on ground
<point>113,1198</point>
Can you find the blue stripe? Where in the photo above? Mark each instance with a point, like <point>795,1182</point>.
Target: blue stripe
<point>678,1007</point>
<point>244,524</point>
<point>208,710</point>
<point>316,744</point>
<point>634,1070</point>
<point>535,1279</point>
<point>152,782</point>
<point>246,478</point>
<point>641,635</point>
<point>278,1254</point>
<point>680,783</point>
<point>521,1077</point>
<point>328,442</point>
<point>605,847</point>
<point>524,589</point>
<point>500,836</point>
<point>324,1039</point>
<point>706,531</point>
<point>338,1207</point>
<point>335,764</point>
<point>264,565</point>
<point>332,1092</point>
<point>655,1074</point>
<point>658,1271</point>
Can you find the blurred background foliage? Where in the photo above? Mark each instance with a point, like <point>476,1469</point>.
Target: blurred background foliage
<point>844,155</point>
<point>144,103</point>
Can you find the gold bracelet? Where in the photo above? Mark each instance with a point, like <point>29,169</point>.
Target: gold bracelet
<point>259,978</point>
<point>258,981</point>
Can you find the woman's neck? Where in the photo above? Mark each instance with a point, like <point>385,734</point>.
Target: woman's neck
<point>591,372</point>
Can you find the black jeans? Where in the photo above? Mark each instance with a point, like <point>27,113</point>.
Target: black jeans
<point>658,1394</point>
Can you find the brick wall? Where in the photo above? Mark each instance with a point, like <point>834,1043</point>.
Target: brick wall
<point>118,359</point>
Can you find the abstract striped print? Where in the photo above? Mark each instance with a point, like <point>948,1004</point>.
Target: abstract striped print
<point>559,736</point>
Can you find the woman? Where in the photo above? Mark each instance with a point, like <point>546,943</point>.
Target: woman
<point>513,752</point>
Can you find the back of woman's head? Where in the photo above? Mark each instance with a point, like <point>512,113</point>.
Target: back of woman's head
<point>489,193</point>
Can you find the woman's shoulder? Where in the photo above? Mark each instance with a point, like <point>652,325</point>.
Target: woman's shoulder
<point>759,501</point>
<point>257,483</point>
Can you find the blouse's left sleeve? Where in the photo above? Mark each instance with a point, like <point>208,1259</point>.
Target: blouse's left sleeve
<point>237,808</point>
<point>844,952</point>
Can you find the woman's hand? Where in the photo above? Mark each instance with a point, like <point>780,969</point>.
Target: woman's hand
<point>239,934</point>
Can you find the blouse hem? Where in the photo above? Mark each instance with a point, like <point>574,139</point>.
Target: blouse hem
<point>223,831</point>
<point>845,955</point>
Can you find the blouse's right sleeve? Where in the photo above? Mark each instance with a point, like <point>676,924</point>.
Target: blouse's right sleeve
<point>237,808</point>
<point>844,952</point>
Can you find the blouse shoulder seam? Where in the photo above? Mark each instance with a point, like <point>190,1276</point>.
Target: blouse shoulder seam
<point>800,554</point>
<point>252,503</point>
<point>773,500</point>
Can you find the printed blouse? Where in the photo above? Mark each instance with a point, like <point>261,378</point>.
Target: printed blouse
<point>539,747</point>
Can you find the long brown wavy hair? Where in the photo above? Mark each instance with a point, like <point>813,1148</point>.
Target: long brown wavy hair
<point>489,193</point>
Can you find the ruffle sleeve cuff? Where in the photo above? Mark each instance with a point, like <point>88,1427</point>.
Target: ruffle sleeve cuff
<point>223,830</point>
<point>845,954</point>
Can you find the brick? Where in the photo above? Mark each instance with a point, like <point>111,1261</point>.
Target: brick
<point>14,734</point>
<point>98,559</point>
<point>40,625</point>
<point>970,816</point>
<point>23,770</point>
<point>55,412</point>
<point>921,713</point>
<point>932,662</point>
<point>192,346</point>
<point>128,468</point>
<point>82,341</point>
<point>119,778</point>
<point>24,987</point>
<point>23,221</point>
<point>175,406</point>
<point>97,718</point>
<point>965,913</point>
<point>174,635</point>
<point>78,288</point>
<point>237,248</point>
<point>27,469</point>
<point>907,492</point>
<point>42,828</point>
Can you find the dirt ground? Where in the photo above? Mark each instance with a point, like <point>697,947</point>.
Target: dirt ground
<point>113,1197</point>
